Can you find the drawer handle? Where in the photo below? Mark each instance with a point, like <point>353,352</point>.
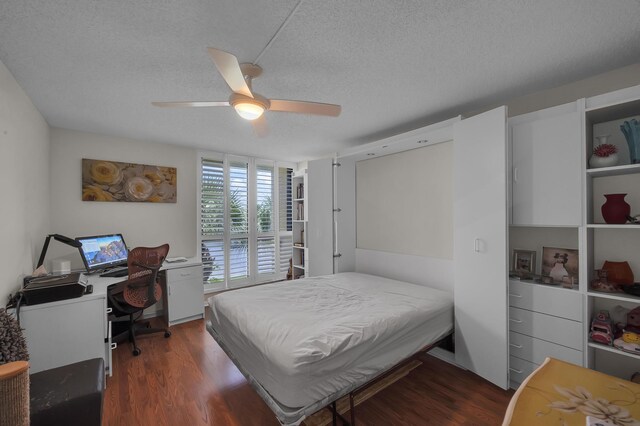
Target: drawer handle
<point>515,371</point>
<point>517,321</point>
<point>513,345</point>
<point>184,274</point>
<point>109,310</point>
<point>515,295</point>
<point>113,346</point>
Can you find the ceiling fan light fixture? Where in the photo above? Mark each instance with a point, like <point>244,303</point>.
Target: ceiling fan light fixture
<point>249,110</point>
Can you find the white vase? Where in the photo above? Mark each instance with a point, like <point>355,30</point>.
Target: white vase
<point>597,162</point>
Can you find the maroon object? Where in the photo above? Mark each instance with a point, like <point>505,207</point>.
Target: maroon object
<point>615,210</point>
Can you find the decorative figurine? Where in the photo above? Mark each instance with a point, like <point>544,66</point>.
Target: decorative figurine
<point>602,329</point>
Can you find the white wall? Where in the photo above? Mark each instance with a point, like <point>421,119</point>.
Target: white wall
<point>142,224</point>
<point>24,173</point>
<point>404,202</point>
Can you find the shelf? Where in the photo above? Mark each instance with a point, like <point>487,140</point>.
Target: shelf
<point>299,267</point>
<point>298,199</point>
<point>298,220</point>
<point>610,226</point>
<point>613,350</point>
<point>626,169</point>
<point>299,247</point>
<point>616,111</point>
<point>623,297</point>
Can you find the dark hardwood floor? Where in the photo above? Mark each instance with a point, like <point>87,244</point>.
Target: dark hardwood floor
<point>188,380</point>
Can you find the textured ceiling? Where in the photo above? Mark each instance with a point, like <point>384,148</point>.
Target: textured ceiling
<point>96,65</point>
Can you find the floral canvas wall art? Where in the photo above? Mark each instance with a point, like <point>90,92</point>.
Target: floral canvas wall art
<point>114,181</point>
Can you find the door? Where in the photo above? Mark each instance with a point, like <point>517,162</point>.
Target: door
<point>547,167</point>
<point>480,245</point>
<point>319,200</point>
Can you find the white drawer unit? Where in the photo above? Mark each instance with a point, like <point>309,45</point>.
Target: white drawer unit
<point>559,302</point>
<point>536,350</point>
<point>546,327</point>
<point>544,321</point>
<point>185,300</point>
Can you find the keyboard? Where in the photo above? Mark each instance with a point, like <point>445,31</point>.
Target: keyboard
<point>116,272</point>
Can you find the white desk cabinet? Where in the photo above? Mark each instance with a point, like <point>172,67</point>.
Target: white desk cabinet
<point>73,330</point>
<point>67,331</point>
<point>185,301</point>
<point>546,164</point>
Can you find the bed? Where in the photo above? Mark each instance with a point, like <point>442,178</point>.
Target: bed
<point>303,344</point>
<point>559,393</point>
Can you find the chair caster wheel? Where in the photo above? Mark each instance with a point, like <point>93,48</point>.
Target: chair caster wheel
<point>137,351</point>
<point>167,334</point>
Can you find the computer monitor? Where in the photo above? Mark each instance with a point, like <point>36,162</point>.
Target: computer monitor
<point>103,251</point>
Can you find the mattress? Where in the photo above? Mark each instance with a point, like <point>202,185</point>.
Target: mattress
<point>308,339</point>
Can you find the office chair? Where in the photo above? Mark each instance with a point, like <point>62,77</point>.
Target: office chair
<point>140,291</point>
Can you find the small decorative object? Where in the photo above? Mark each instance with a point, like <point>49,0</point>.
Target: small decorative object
<point>618,272</point>
<point>13,347</point>
<point>633,289</point>
<point>602,329</point>
<point>524,262</point>
<point>633,319</point>
<point>568,281</point>
<point>615,210</point>
<point>631,131</point>
<point>114,181</point>
<point>602,283</point>
<point>558,263</point>
<point>634,348</point>
<point>604,155</point>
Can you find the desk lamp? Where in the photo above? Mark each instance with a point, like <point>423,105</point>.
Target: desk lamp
<point>68,241</point>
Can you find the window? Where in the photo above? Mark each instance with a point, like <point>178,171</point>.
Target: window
<point>245,220</point>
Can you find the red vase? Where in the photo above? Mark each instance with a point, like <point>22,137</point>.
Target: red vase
<point>615,210</point>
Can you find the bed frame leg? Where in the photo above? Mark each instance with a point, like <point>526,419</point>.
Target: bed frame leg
<point>352,410</point>
<point>334,412</point>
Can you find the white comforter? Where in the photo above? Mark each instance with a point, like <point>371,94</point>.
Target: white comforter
<point>306,339</point>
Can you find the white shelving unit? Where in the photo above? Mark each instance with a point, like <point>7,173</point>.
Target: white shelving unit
<point>299,224</point>
<point>603,115</point>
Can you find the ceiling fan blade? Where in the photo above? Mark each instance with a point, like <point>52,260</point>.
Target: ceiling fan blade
<point>305,107</point>
<point>260,126</point>
<point>190,104</point>
<point>229,68</point>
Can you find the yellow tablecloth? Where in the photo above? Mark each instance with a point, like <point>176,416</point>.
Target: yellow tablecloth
<point>559,394</point>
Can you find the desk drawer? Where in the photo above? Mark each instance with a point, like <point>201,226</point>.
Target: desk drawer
<point>536,350</point>
<point>546,327</point>
<point>520,369</point>
<point>185,274</point>
<point>558,302</point>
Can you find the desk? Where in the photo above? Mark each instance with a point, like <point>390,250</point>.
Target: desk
<point>73,330</point>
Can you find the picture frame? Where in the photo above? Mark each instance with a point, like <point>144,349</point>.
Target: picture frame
<point>524,261</point>
<point>560,264</point>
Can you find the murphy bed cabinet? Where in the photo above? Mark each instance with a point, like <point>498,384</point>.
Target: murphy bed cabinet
<point>546,182</point>
<point>480,249</point>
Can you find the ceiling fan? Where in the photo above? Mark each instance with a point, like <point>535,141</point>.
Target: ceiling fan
<point>248,104</point>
